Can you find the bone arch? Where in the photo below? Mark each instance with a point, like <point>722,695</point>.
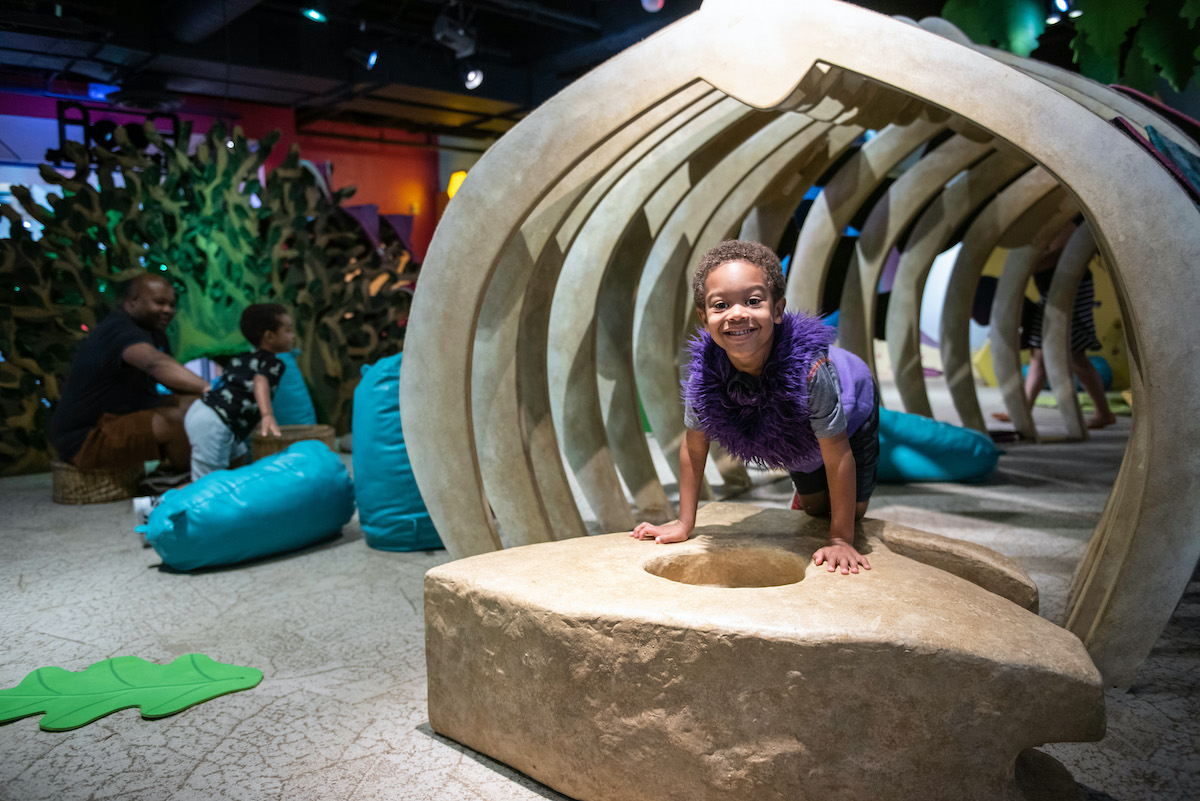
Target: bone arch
<point>579,395</point>
<point>931,235</point>
<point>891,215</point>
<point>531,180</point>
<point>1004,336</point>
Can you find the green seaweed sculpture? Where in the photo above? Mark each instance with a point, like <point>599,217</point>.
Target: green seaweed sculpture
<point>1134,42</point>
<point>73,699</point>
<point>221,234</point>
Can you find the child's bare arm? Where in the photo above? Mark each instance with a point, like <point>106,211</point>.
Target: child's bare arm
<point>693,454</point>
<point>262,396</point>
<point>840,473</point>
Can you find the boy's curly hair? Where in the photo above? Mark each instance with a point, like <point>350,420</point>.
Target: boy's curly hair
<point>754,253</point>
<point>260,318</point>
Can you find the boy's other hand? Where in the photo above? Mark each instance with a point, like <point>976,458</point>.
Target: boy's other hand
<point>668,532</point>
<point>840,555</point>
<point>269,426</point>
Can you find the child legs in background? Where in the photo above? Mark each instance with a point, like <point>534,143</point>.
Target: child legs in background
<point>213,444</point>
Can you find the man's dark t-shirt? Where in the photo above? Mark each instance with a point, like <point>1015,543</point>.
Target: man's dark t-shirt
<point>102,382</point>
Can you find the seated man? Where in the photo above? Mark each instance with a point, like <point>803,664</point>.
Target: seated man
<point>111,414</point>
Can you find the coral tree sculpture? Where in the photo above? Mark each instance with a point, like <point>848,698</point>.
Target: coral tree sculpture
<point>206,220</point>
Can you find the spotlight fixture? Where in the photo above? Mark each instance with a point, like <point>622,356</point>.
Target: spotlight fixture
<point>471,75</point>
<point>363,57</point>
<point>1053,19</point>
<point>1062,5</point>
<point>1074,13</point>
<point>451,29</point>
<point>314,13</point>
<point>455,35</point>
<point>652,6</point>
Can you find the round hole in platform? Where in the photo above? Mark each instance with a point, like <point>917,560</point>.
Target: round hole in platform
<point>730,567</point>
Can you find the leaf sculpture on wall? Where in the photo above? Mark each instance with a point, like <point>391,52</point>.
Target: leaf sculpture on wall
<point>1134,42</point>
<point>1012,25</point>
<point>73,699</point>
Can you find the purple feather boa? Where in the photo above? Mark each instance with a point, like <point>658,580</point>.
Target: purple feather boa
<point>760,419</point>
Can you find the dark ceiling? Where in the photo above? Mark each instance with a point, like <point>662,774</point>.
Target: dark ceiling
<point>266,51</point>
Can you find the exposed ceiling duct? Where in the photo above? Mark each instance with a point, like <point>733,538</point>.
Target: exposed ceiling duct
<point>164,53</point>
<point>192,21</point>
<point>145,91</point>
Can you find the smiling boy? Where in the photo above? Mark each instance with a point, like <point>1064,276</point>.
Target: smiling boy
<point>772,389</point>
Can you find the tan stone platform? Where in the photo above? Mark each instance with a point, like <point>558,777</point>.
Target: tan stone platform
<point>609,668</point>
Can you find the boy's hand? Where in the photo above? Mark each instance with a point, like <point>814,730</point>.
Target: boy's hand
<point>268,426</point>
<point>840,554</point>
<point>668,532</point>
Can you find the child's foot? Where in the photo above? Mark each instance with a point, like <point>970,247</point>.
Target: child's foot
<point>1101,420</point>
<point>143,506</point>
<point>1003,417</point>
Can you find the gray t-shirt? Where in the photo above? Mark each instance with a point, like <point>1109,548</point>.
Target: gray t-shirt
<point>825,411</point>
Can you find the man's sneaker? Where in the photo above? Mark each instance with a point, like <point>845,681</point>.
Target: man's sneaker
<point>160,481</point>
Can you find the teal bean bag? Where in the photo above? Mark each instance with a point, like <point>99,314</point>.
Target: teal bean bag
<point>283,502</point>
<point>915,448</point>
<point>1103,368</point>
<point>390,509</point>
<point>292,403</point>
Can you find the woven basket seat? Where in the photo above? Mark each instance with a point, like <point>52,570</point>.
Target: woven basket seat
<point>261,446</point>
<point>71,485</point>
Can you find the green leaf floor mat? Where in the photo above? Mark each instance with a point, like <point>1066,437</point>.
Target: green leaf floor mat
<point>71,699</point>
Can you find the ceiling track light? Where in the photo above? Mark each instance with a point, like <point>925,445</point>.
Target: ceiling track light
<point>471,75</point>
<point>455,35</point>
<point>363,57</point>
<point>315,11</point>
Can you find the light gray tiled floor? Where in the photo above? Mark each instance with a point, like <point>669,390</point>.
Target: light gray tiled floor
<point>338,633</point>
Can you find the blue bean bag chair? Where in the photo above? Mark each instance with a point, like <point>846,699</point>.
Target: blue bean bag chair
<point>390,510</point>
<point>283,502</point>
<point>1103,368</point>
<point>915,448</point>
<point>292,403</point>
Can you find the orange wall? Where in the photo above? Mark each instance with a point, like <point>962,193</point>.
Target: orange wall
<point>398,179</point>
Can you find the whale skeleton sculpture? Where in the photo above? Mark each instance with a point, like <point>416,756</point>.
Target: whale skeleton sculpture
<point>528,328</point>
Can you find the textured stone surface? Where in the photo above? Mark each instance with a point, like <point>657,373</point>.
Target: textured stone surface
<point>610,668</point>
<point>341,714</point>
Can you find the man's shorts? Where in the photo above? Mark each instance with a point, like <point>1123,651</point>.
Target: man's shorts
<point>864,444</point>
<point>119,440</point>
